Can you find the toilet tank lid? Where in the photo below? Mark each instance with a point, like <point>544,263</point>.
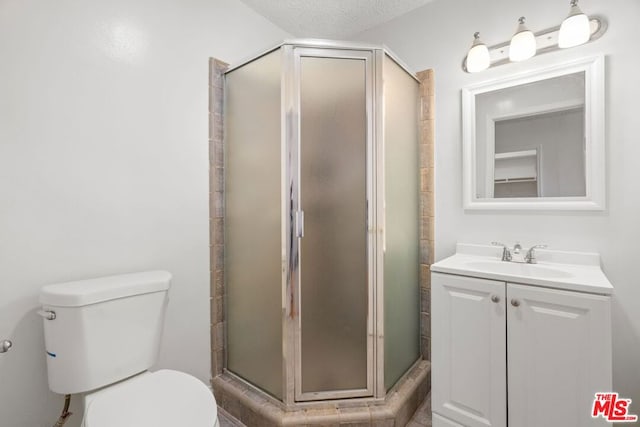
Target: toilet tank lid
<point>91,291</point>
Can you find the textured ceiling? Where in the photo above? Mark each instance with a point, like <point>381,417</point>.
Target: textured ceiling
<point>331,18</point>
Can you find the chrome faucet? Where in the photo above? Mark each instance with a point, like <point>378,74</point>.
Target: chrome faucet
<point>530,256</point>
<point>506,252</point>
<point>517,248</point>
<point>515,254</point>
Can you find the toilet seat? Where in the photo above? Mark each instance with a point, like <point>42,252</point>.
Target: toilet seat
<point>163,398</point>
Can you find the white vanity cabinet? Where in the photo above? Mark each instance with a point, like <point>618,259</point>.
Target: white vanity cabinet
<point>516,355</point>
<point>558,355</point>
<point>468,350</point>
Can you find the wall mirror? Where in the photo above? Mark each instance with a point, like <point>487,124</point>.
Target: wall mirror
<point>536,140</point>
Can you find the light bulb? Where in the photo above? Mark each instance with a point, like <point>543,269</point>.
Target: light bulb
<point>523,43</point>
<point>575,29</point>
<point>478,57</point>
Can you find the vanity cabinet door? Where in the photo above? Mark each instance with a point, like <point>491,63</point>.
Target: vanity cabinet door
<point>468,350</point>
<point>559,356</point>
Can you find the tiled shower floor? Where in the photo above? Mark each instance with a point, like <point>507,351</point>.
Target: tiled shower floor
<point>422,417</point>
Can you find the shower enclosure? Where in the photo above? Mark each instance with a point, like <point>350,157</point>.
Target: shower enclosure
<point>321,221</point>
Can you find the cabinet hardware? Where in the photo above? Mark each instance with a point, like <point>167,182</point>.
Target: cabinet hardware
<point>5,346</point>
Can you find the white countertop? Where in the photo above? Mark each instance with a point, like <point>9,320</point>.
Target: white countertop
<point>571,271</point>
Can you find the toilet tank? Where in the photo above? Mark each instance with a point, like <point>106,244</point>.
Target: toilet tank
<point>100,331</point>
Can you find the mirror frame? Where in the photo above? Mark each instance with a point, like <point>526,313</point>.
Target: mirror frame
<point>595,198</point>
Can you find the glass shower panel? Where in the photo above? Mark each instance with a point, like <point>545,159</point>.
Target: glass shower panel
<point>401,256</point>
<point>334,296</point>
<point>253,222</point>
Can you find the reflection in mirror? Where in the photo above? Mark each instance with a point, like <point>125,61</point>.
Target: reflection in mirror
<point>530,139</point>
<point>536,140</point>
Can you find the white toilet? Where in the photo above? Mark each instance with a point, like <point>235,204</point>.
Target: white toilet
<point>101,336</point>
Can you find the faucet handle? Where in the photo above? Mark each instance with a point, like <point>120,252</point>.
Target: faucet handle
<point>506,253</point>
<point>530,257</point>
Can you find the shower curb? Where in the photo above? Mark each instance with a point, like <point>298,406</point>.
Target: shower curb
<point>253,407</point>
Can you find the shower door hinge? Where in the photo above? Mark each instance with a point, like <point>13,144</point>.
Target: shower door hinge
<point>300,224</point>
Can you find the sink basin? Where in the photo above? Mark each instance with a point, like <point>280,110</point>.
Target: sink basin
<point>518,269</point>
<point>563,270</point>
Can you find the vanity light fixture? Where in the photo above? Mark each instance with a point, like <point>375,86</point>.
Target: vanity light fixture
<point>575,30</point>
<point>478,57</point>
<point>523,43</point>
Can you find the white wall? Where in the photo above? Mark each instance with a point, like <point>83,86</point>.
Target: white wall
<point>438,36</point>
<point>104,164</point>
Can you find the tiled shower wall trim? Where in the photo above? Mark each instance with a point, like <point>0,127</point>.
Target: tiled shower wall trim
<point>427,237</point>
<point>216,214</point>
<point>216,210</point>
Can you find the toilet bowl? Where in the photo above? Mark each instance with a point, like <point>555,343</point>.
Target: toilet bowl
<point>102,336</point>
<point>163,398</point>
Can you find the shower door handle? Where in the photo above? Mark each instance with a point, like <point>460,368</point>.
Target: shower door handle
<point>300,224</point>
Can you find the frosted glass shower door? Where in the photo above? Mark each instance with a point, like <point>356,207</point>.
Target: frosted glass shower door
<point>335,324</point>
